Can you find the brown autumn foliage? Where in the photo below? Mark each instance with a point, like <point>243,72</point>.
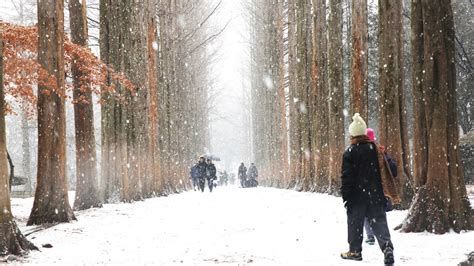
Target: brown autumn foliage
<point>23,72</point>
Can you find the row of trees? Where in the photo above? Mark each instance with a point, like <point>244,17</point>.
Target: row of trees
<point>298,93</point>
<point>152,82</point>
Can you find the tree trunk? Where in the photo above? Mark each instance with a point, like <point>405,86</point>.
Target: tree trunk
<point>420,134</point>
<point>114,178</point>
<point>294,138</point>
<point>336,94</point>
<point>87,193</point>
<point>441,203</point>
<point>303,41</point>
<point>26,158</point>
<point>12,240</point>
<point>283,130</point>
<point>320,93</point>
<point>125,150</point>
<point>153,183</point>
<point>391,91</point>
<point>359,62</point>
<point>51,204</point>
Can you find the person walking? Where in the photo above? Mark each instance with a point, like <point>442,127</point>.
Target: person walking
<point>242,173</point>
<point>252,174</point>
<point>363,194</point>
<point>198,174</point>
<point>211,174</point>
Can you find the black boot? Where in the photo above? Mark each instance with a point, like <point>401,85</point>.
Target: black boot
<point>388,256</point>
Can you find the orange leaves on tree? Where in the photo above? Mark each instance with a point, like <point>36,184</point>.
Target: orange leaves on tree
<point>22,72</point>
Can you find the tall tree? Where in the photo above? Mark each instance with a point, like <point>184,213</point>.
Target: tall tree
<point>320,93</point>
<point>392,130</point>
<point>51,202</point>
<point>441,203</point>
<point>12,240</point>
<point>359,62</point>
<point>336,93</point>
<point>87,193</point>
<point>420,142</point>
<point>125,148</point>
<point>282,134</point>
<point>294,138</point>
<point>303,79</point>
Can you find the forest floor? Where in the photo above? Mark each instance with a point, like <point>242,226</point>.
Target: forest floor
<point>231,226</point>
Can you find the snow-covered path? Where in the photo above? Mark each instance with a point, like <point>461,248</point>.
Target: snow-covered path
<point>231,226</point>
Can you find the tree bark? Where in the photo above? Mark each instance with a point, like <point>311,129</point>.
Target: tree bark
<point>283,130</point>
<point>336,94</point>
<point>294,138</point>
<point>87,193</point>
<point>390,98</point>
<point>441,203</point>
<point>420,134</point>
<point>51,204</point>
<point>359,62</point>
<point>12,240</point>
<point>320,93</point>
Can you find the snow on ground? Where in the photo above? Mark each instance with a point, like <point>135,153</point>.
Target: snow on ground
<point>231,226</point>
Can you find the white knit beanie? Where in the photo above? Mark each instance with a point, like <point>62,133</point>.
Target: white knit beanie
<point>358,126</point>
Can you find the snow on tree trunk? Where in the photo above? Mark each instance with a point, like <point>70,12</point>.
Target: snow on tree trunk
<point>359,62</point>
<point>12,240</point>
<point>336,94</point>
<point>391,131</point>
<point>51,204</point>
<point>441,203</point>
<point>87,194</point>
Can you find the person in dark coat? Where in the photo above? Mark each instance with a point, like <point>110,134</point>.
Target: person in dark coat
<point>198,173</point>
<point>211,174</point>
<point>252,174</point>
<point>393,170</point>
<point>362,193</point>
<point>242,174</point>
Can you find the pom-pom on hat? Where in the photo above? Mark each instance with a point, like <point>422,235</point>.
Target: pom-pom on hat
<point>358,126</point>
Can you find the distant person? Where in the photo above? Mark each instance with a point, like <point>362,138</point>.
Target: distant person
<point>252,175</point>
<point>363,194</point>
<point>224,178</point>
<point>242,173</point>
<point>211,174</point>
<point>198,174</point>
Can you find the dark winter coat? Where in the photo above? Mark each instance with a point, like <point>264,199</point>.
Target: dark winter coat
<point>211,170</point>
<point>200,169</point>
<point>242,171</point>
<point>361,179</point>
<point>253,172</point>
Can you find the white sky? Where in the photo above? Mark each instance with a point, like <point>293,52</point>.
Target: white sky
<point>227,126</point>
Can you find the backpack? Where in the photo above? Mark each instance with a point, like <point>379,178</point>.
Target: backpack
<point>392,165</point>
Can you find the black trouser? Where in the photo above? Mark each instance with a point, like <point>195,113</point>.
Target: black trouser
<point>377,220</point>
<point>202,182</point>
<point>210,183</point>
